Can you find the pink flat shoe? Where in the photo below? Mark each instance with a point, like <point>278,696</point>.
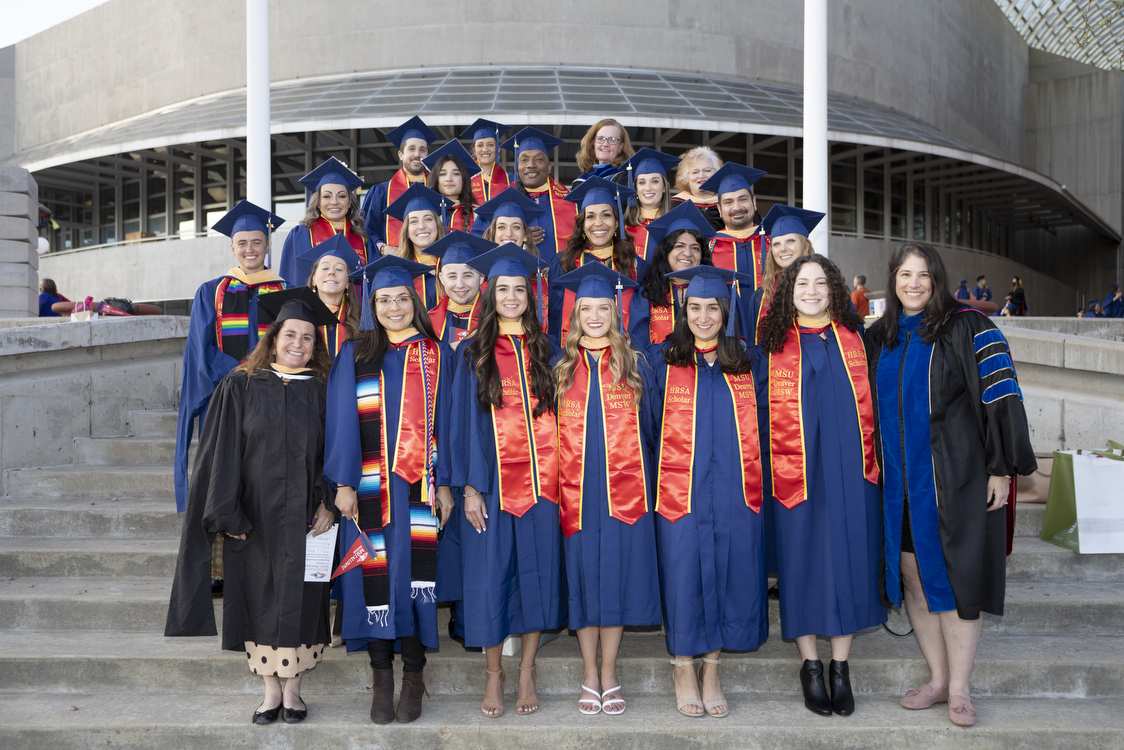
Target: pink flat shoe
<point>961,712</point>
<point>923,697</point>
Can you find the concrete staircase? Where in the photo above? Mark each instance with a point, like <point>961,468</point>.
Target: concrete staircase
<point>87,553</point>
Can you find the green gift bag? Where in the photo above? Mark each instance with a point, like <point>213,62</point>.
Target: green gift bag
<point>1061,525</point>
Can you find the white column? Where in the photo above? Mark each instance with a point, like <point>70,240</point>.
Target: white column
<point>258,182</point>
<point>815,119</point>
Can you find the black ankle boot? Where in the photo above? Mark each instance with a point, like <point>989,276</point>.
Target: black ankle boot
<point>815,691</point>
<point>842,699</point>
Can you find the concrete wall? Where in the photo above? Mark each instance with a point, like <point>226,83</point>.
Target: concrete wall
<point>1106,329</point>
<point>957,64</point>
<point>7,101</point>
<point>19,258</point>
<point>64,380</point>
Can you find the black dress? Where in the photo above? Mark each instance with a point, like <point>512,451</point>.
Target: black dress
<point>259,469</point>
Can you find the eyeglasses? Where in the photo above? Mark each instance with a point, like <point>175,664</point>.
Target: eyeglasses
<point>602,139</point>
<point>393,301</point>
<point>700,172</point>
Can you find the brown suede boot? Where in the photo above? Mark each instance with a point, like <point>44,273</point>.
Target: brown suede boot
<point>382,696</point>
<point>409,702</point>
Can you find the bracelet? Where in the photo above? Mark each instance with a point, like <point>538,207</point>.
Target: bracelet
<point>472,494</point>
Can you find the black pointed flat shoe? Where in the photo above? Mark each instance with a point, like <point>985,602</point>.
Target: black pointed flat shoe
<point>842,699</point>
<point>815,691</point>
<point>293,716</point>
<point>266,717</point>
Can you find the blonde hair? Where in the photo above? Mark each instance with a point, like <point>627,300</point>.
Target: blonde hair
<point>586,157</point>
<point>773,271</point>
<point>406,247</point>
<point>528,239</point>
<point>682,183</point>
<point>623,358</point>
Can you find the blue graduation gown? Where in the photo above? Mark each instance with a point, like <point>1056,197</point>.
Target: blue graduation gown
<point>203,367</point>
<point>712,562</point>
<point>611,569</point>
<point>638,310</point>
<point>513,580</point>
<point>343,465</point>
<point>374,215</point>
<point>297,242</point>
<point>829,547</point>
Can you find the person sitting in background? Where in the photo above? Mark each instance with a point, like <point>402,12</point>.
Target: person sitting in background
<point>118,306</point>
<point>962,293</point>
<point>1095,310</point>
<point>48,296</point>
<point>1016,299</point>
<point>1113,302</point>
<point>858,297</point>
<point>981,292</point>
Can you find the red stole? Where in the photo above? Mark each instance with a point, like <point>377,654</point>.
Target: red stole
<point>620,424</point>
<point>414,451</point>
<point>322,230</point>
<point>398,184</point>
<point>639,235</point>
<point>461,218</point>
<point>526,446</point>
<point>568,298</point>
<point>786,419</point>
<point>662,317</point>
<point>335,335</point>
<point>724,254</point>
<point>440,319</point>
<point>485,189</point>
<point>677,443</point>
<point>563,213</point>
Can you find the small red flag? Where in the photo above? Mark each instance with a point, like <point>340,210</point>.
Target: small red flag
<point>355,556</point>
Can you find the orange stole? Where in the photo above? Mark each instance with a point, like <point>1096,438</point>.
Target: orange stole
<point>484,190</point>
<point>568,299</point>
<point>322,231</point>
<point>640,237</point>
<point>677,446</point>
<point>415,414</point>
<point>527,457</point>
<point>624,458</point>
<point>439,317</point>
<point>563,213</point>
<point>397,185</point>
<point>661,323</point>
<point>724,254</point>
<point>461,218</point>
<point>786,419</point>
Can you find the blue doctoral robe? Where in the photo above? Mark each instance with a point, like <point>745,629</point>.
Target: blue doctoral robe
<point>343,464</point>
<point>204,366</point>
<point>611,569</point>
<point>829,547</point>
<point>712,561</point>
<point>638,310</point>
<point>513,576</point>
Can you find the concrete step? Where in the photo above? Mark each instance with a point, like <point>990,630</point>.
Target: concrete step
<point>170,719</point>
<point>77,558</point>
<point>1036,560</point>
<point>80,517</point>
<point>128,451</point>
<point>1028,519</point>
<point>43,602</point>
<point>153,423</point>
<point>1011,666</point>
<point>94,482</point>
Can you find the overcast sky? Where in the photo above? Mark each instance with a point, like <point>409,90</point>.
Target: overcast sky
<point>24,19</point>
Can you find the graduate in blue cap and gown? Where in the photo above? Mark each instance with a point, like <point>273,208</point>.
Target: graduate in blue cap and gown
<point>458,312</point>
<point>532,149</point>
<point>418,211</point>
<point>680,239</point>
<point>605,439</point>
<point>787,230</point>
<point>508,217</point>
<point>646,173</point>
<point>387,453</point>
<point>507,461</point>
<point>328,268</point>
<point>708,491</point>
<point>332,208</point>
<point>224,322</point>
<point>826,507</point>
<point>491,180</point>
<point>599,237</point>
<point>412,139</point>
<point>450,169</point>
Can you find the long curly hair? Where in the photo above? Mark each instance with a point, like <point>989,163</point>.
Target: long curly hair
<point>654,282</point>
<point>354,215</point>
<point>782,313</point>
<point>938,309</point>
<point>679,348</point>
<point>624,250</point>
<point>480,354</point>
<point>586,157</point>
<point>623,359</point>
<point>371,346</point>
<point>262,356</point>
<point>465,197</point>
<point>528,240</point>
<point>351,317</point>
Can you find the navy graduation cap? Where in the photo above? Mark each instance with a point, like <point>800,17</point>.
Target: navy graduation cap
<point>596,191</point>
<point>649,161</point>
<point>596,280</point>
<point>683,218</point>
<point>331,172</point>
<point>300,303</point>
<point>707,282</point>
<point>459,247</point>
<point>509,203</point>
<point>336,246</point>
<point>531,139</point>
<point>387,271</point>
<point>247,217</point>
<point>509,259</point>
<point>731,178</point>
<point>484,129</point>
<point>418,198</point>
<point>453,148</point>
<point>412,128</point>
<point>782,220</point>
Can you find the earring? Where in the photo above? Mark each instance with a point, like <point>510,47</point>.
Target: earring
<point>274,353</point>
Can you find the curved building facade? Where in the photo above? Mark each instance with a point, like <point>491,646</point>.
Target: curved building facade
<point>944,124</point>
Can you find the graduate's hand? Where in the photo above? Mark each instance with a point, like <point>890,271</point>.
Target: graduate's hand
<point>444,506</point>
<point>322,520</point>
<point>346,501</point>
<point>997,490</point>
<point>538,234</point>
<point>239,537</point>
<point>474,509</point>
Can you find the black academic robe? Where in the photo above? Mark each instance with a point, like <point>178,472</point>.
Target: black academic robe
<point>977,428</point>
<point>259,469</point>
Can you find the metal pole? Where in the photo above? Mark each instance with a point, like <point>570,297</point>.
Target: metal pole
<point>815,119</point>
<point>258,179</point>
